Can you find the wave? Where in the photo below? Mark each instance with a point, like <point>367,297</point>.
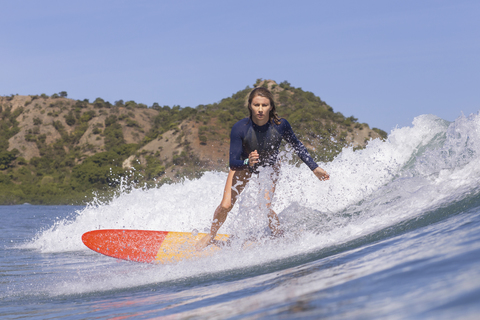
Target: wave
<point>389,185</point>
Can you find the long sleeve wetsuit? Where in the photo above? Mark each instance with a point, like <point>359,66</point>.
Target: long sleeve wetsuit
<point>246,137</point>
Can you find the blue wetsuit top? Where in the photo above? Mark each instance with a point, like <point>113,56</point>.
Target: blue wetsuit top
<point>246,137</point>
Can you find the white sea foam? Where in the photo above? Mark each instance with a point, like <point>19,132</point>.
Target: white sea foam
<point>418,169</point>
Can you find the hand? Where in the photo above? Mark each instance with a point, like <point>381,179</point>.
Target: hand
<point>204,242</point>
<point>253,158</point>
<point>321,174</point>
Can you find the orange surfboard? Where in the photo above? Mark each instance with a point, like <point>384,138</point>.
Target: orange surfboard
<point>150,246</point>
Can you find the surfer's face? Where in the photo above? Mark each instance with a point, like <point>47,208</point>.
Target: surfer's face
<point>260,110</point>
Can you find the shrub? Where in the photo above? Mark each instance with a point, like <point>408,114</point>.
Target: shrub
<point>382,133</point>
<point>110,120</point>
<point>132,123</point>
<point>99,103</point>
<point>70,118</point>
<point>113,135</point>
<point>81,104</point>
<point>130,104</point>
<point>21,161</point>
<point>7,157</point>
<point>30,138</point>
<point>87,116</point>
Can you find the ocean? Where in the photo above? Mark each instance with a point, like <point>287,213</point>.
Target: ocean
<point>394,234</point>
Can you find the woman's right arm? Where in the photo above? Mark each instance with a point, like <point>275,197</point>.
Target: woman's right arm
<point>236,148</point>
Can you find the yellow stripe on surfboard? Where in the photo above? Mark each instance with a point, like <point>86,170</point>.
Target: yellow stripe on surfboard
<point>181,246</point>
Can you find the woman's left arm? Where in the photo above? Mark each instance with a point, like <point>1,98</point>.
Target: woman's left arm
<point>302,152</point>
<point>321,174</point>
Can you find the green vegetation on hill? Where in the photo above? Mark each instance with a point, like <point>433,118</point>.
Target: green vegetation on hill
<point>167,119</point>
<point>8,128</point>
<point>81,147</point>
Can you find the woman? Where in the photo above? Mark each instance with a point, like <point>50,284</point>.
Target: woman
<point>254,143</point>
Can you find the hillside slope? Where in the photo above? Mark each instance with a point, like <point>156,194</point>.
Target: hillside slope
<point>57,150</point>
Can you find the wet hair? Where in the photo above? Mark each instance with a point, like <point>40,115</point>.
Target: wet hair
<point>264,92</point>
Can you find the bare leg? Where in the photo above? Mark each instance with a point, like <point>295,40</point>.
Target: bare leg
<point>273,221</point>
<point>236,182</point>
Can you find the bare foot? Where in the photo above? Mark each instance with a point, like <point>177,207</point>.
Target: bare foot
<point>278,233</point>
<point>204,242</point>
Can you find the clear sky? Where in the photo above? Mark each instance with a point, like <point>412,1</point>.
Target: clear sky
<point>384,62</point>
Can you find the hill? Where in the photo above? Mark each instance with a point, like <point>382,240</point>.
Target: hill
<point>56,150</point>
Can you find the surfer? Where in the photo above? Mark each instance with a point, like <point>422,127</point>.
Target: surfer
<point>255,143</point>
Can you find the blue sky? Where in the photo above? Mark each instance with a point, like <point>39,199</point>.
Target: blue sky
<point>384,62</point>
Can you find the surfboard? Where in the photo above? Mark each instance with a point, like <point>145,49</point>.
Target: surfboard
<point>150,246</point>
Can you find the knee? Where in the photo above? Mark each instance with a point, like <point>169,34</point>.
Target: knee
<point>226,207</point>
<point>264,205</point>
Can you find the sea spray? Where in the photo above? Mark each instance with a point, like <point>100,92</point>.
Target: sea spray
<point>416,170</point>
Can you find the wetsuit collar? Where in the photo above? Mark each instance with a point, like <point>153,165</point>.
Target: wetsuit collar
<point>260,128</point>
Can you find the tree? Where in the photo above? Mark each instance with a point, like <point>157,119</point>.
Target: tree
<point>69,118</point>
<point>6,157</point>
